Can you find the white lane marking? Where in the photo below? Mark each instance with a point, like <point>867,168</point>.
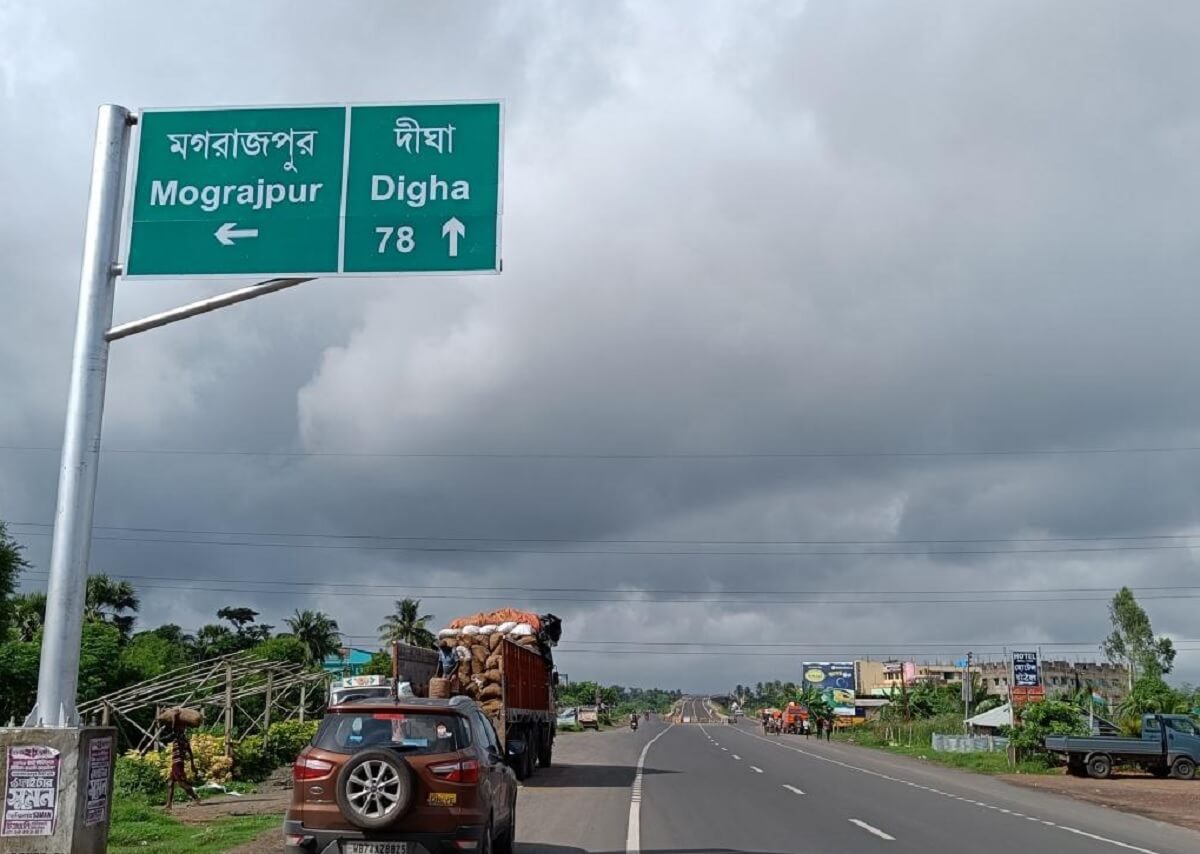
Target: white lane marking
<point>1093,836</point>
<point>726,749</point>
<point>755,769</point>
<point>792,789</point>
<point>735,756</point>
<point>633,832</point>
<point>869,829</point>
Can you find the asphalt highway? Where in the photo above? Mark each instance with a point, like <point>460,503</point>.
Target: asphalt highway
<point>715,787</point>
<point>698,710</point>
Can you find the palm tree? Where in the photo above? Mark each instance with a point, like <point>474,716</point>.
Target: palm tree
<point>107,601</point>
<point>405,626</point>
<point>29,614</point>
<point>317,631</point>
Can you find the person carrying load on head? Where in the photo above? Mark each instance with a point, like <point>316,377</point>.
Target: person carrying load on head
<point>181,755</point>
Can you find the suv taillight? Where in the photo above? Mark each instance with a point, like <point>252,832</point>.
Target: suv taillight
<point>307,768</point>
<point>466,771</point>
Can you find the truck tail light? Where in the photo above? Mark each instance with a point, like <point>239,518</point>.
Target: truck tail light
<point>307,768</point>
<point>466,771</point>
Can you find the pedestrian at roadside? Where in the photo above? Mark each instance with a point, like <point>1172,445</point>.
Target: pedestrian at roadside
<point>829,730</point>
<point>808,729</point>
<point>181,755</point>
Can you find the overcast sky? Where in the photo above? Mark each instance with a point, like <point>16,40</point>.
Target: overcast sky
<point>773,272</point>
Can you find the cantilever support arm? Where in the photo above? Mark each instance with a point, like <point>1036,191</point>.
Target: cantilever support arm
<point>203,306</point>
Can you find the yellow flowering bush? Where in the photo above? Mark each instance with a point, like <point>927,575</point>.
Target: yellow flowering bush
<point>212,765</point>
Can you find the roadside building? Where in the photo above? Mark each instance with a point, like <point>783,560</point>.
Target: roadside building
<point>348,661</point>
<point>1108,682</point>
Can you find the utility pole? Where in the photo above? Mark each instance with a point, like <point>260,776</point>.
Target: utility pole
<point>71,544</point>
<point>966,692</point>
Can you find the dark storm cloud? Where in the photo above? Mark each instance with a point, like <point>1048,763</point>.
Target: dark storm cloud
<point>749,228</point>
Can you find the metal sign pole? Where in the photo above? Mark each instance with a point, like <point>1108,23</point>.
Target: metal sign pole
<point>58,672</point>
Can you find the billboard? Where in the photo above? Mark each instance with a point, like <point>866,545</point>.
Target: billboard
<point>835,681</point>
<point>1025,670</point>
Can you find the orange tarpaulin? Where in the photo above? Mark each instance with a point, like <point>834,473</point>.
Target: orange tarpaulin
<point>495,618</point>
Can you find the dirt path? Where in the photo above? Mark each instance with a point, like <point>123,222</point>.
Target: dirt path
<point>224,806</point>
<point>272,799</point>
<point>1171,801</point>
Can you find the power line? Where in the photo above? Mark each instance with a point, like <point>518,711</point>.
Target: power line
<point>468,595</point>
<point>674,652</point>
<point>652,456</point>
<point>404,587</point>
<point>637,552</point>
<point>477,539</point>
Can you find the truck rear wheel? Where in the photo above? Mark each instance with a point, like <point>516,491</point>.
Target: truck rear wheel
<point>1184,769</point>
<point>1099,766</point>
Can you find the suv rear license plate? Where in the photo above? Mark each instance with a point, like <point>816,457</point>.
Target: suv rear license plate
<point>375,848</point>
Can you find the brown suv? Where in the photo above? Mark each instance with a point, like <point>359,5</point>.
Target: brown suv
<point>407,777</point>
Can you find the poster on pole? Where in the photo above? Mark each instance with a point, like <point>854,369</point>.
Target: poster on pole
<point>30,791</point>
<point>1025,670</point>
<point>95,809</point>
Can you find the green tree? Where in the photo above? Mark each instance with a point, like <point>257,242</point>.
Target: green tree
<point>150,654</point>
<point>819,708</point>
<point>28,615</point>
<point>99,651</point>
<point>112,602</point>
<point>405,626</point>
<point>1151,695</point>
<point>18,679</point>
<point>11,565</point>
<point>287,648</point>
<point>1132,641</point>
<point>1038,720</point>
<point>380,664</point>
<point>244,626</point>
<point>317,631</point>
<point>214,640</point>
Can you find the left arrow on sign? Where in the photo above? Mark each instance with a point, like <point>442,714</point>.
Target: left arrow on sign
<point>229,232</point>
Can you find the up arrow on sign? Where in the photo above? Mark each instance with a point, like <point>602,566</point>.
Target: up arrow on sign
<point>454,229</point>
<point>317,191</point>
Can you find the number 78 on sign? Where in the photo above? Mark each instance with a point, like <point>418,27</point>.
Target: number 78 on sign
<point>317,191</point>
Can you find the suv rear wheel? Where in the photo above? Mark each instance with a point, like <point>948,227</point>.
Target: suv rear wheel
<point>374,789</point>
<point>508,840</point>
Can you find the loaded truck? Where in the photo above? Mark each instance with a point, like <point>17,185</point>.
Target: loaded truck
<point>503,660</point>
<point>507,670</point>
<point>526,719</point>
<point>1169,745</point>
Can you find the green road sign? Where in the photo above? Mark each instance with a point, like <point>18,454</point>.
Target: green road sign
<point>294,191</point>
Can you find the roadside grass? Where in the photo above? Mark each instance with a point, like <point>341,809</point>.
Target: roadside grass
<point>139,827</point>
<point>914,741</point>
